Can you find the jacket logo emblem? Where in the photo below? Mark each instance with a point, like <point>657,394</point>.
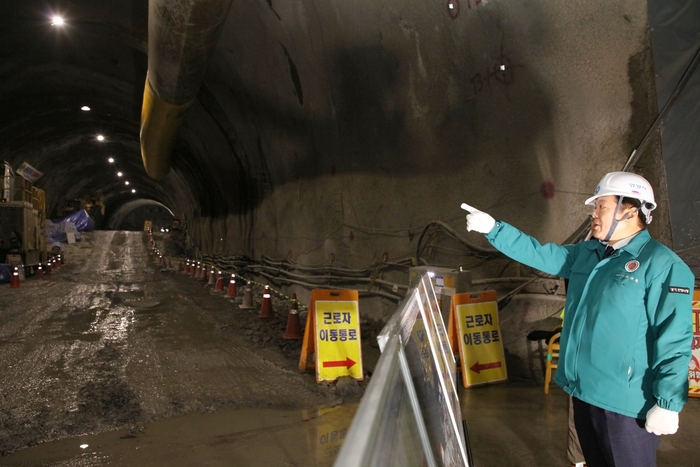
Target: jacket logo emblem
<point>684,290</point>
<point>632,266</point>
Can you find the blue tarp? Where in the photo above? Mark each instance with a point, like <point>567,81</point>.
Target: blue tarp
<point>5,273</point>
<point>77,222</point>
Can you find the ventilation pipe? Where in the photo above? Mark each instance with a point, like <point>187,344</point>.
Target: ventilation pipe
<point>182,36</point>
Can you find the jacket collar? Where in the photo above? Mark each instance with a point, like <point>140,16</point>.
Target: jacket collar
<point>634,247</point>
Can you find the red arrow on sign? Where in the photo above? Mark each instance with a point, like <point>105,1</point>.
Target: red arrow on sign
<point>348,362</point>
<point>476,368</point>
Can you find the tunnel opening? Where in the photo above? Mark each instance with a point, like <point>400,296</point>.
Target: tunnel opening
<point>135,215</point>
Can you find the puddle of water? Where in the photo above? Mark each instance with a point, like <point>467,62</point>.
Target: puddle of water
<point>69,324</point>
<point>137,299</point>
<point>8,342</point>
<point>242,437</point>
<point>81,336</point>
<point>144,303</point>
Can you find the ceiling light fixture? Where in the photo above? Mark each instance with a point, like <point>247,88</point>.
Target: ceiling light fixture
<point>100,138</point>
<point>126,182</point>
<point>133,191</point>
<point>57,20</point>
<point>119,174</point>
<point>111,160</point>
<point>85,108</point>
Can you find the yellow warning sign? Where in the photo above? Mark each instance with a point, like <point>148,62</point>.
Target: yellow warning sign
<point>694,365</point>
<point>338,350</point>
<point>333,334</point>
<point>479,336</point>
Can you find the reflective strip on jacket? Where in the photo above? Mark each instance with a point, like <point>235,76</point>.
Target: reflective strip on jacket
<point>626,339</point>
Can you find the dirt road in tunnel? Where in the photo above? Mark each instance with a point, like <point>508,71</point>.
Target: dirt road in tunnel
<point>110,341</point>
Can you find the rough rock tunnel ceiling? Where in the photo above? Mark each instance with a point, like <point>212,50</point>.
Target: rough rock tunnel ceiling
<point>340,129</point>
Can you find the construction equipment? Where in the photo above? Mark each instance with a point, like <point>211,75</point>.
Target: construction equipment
<point>22,220</point>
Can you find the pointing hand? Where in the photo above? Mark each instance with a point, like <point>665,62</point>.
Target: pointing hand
<point>477,220</point>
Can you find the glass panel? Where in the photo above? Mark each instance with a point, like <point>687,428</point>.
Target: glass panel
<point>410,414</point>
<point>384,430</point>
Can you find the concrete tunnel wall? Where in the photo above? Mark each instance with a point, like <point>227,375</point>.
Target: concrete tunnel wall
<point>318,120</point>
<point>334,132</point>
<point>338,130</point>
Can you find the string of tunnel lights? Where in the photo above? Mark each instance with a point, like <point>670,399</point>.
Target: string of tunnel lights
<point>58,21</point>
<point>120,174</point>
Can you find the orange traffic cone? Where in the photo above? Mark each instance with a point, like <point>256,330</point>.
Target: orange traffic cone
<point>219,287</point>
<point>231,291</point>
<point>60,259</point>
<point>204,274</point>
<point>293,331</point>
<point>48,267</point>
<point>14,283</point>
<point>39,271</point>
<point>212,277</point>
<point>266,307</point>
<point>56,264</point>
<point>195,271</point>
<point>247,298</point>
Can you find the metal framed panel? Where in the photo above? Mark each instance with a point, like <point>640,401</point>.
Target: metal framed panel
<point>423,390</point>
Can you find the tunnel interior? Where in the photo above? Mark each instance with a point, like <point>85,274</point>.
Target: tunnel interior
<point>324,145</point>
<point>338,133</point>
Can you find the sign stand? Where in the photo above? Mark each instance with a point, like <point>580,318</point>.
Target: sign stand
<point>694,365</point>
<point>332,334</point>
<point>474,329</point>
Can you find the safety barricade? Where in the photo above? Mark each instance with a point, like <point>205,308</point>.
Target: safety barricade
<point>410,413</point>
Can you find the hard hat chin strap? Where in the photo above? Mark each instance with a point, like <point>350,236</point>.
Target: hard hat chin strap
<point>615,221</point>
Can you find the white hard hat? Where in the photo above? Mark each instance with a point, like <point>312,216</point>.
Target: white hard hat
<point>626,185</point>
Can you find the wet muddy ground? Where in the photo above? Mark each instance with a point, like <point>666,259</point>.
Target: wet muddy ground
<point>116,361</point>
<point>113,341</point>
<point>241,437</point>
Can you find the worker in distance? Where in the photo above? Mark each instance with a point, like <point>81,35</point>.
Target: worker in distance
<point>626,338</point>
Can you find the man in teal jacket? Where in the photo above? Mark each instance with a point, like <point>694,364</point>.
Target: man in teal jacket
<point>626,339</point>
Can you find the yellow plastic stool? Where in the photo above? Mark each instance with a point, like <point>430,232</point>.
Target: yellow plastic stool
<point>552,360</point>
